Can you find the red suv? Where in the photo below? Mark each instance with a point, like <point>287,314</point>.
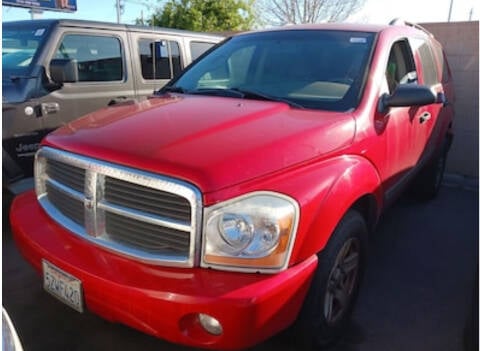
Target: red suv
<point>238,200</point>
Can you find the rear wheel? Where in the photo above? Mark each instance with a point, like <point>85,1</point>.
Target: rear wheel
<point>427,184</point>
<point>334,288</point>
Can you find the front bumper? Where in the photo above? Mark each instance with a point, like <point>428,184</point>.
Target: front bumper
<point>165,301</point>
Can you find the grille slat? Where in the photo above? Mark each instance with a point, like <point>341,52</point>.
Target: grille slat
<point>70,207</point>
<point>146,196</point>
<point>150,200</point>
<point>150,237</point>
<point>71,176</point>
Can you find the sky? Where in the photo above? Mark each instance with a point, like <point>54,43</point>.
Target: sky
<point>374,11</point>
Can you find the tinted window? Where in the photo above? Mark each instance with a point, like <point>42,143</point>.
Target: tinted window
<point>312,68</point>
<point>400,66</point>
<point>197,48</point>
<point>99,57</point>
<point>166,56</point>
<point>441,63</point>
<point>176,62</point>
<point>428,65</point>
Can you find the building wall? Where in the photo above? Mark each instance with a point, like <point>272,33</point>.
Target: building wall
<point>460,41</point>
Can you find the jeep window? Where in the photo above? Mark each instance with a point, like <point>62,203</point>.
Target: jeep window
<point>197,48</point>
<point>315,69</point>
<point>19,46</point>
<point>166,56</point>
<point>99,58</point>
<point>401,66</point>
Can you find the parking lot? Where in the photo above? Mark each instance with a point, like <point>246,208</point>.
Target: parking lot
<point>415,296</point>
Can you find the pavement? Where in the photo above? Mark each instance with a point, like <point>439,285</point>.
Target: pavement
<point>416,295</point>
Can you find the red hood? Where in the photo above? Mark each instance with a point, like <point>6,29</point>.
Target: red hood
<point>212,142</point>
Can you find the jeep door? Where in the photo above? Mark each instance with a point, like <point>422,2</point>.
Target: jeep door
<point>104,75</point>
<point>159,57</point>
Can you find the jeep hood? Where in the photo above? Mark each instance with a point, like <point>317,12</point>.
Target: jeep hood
<point>212,142</point>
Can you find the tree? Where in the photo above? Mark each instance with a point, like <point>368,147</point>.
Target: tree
<point>307,11</point>
<point>206,15</point>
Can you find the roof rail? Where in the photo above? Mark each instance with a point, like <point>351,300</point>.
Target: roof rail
<point>401,22</point>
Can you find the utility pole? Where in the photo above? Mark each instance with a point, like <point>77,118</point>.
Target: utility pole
<point>450,11</point>
<point>35,13</point>
<point>119,10</point>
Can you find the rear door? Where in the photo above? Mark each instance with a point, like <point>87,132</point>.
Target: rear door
<point>427,126</point>
<point>159,57</point>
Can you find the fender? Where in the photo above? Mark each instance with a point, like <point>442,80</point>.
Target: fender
<point>324,190</point>
<point>355,177</point>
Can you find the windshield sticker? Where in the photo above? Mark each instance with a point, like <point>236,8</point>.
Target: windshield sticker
<point>39,32</point>
<point>358,40</point>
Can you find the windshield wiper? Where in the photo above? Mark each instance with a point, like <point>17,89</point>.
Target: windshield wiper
<point>17,78</point>
<point>171,89</point>
<point>252,94</point>
<point>218,92</point>
<point>243,94</point>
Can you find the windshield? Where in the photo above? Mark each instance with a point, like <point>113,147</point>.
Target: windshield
<point>315,69</point>
<point>19,45</point>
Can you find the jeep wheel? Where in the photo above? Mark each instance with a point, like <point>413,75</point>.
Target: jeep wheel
<point>334,287</point>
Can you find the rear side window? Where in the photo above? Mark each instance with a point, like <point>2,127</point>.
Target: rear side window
<point>99,58</point>
<point>401,66</point>
<point>197,48</point>
<point>442,64</point>
<point>429,65</point>
<point>159,59</point>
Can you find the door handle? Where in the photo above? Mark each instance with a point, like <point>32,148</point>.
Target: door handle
<point>424,117</point>
<point>49,107</point>
<point>117,100</point>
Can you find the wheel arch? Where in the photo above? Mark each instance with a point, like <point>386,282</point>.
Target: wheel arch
<point>357,187</point>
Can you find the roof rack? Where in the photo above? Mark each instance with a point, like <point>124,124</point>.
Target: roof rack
<point>401,22</point>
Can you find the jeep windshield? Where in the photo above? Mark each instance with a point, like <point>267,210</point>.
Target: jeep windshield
<point>20,44</point>
<point>313,69</point>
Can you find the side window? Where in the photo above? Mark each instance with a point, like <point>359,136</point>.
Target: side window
<point>442,64</point>
<point>428,65</point>
<point>99,58</point>
<point>401,66</point>
<point>197,48</point>
<point>159,59</point>
<point>176,61</point>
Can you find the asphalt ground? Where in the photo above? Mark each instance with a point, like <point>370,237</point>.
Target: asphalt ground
<point>416,294</point>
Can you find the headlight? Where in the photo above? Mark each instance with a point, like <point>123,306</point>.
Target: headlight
<point>254,232</point>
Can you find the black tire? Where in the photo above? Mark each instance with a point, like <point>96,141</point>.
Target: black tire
<point>429,181</point>
<point>335,285</point>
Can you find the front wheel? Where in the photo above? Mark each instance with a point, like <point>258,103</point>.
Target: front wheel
<point>334,287</point>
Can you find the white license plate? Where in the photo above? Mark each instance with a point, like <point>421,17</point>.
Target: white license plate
<point>63,286</point>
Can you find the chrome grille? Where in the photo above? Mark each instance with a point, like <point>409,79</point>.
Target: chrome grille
<point>142,215</point>
<point>150,200</point>
<point>67,205</point>
<point>66,174</point>
<point>149,237</point>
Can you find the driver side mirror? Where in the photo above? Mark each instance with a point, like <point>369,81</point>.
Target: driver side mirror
<point>64,71</point>
<point>407,95</point>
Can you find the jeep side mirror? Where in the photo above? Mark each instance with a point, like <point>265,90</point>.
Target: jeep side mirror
<point>64,71</point>
<point>407,95</point>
